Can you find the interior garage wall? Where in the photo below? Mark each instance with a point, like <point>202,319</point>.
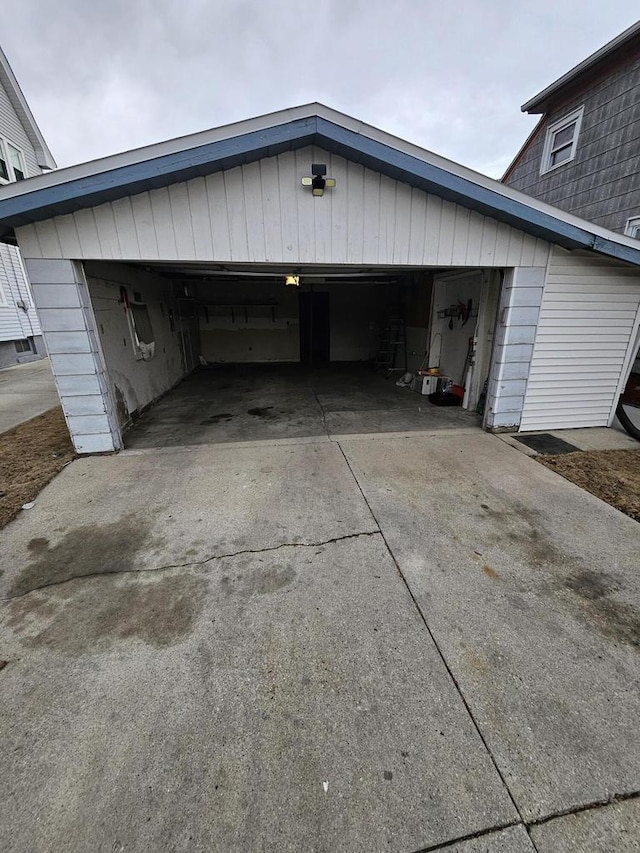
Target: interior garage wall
<point>449,346</point>
<point>135,382</point>
<point>248,321</point>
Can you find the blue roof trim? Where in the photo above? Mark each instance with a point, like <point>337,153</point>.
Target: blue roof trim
<point>249,147</point>
<point>157,172</point>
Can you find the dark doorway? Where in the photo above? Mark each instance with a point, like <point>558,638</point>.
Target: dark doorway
<point>314,327</point>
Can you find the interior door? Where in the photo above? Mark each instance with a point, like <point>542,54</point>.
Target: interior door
<point>314,327</point>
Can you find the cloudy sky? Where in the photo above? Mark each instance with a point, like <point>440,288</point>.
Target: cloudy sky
<point>104,76</point>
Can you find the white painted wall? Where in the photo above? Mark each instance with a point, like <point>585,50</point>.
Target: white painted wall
<point>588,321</point>
<point>261,213</point>
<point>449,347</point>
<point>135,382</point>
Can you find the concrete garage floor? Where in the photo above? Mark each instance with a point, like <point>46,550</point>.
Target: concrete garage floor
<point>377,644</point>
<point>272,402</point>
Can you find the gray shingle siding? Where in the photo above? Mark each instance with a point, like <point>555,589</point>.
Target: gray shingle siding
<point>602,183</point>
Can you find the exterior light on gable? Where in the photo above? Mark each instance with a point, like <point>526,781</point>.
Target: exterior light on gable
<point>318,182</point>
<point>292,280</point>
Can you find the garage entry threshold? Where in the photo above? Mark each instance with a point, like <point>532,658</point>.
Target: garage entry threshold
<point>285,403</point>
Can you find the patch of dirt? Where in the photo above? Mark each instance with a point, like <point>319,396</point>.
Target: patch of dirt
<point>31,455</point>
<point>611,475</point>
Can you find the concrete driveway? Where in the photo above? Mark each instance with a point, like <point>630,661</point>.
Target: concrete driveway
<point>26,390</point>
<point>377,644</point>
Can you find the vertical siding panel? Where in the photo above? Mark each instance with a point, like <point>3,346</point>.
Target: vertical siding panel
<point>254,213</point>
<point>145,227</point>
<point>48,239</point>
<point>126,228</point>
<point>371,217</point>
<point>404,197</point>
<point>488,246</point>
<point>323,212</point>
<point>528,250</point>
<point>217,201</point>
<point>387,219</point>
<point>28,241</point>
<point>287,192</point>
<point>515,247</point>
<point>541,254</point>
<point>433,221</point>
<point>461,235</point>
<point>68,236</point>
<point>503,234</point>
<point>234,197</point>
<point>200,221</point>
<point>306,207</point>
<point>355,212</point>
<point>339,210</point>
<point>417,226</point>
<point>447,225</point>
<point>474,243</point>
<point>181,218</point>
<point>163,223</point>
<point>107,232</point>
<point>272,212</point>
<point>87,233</point>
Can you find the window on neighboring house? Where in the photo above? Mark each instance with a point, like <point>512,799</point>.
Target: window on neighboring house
<point>632,228</point>
<point>12,166</point>
<point>23,346</point>
<point>561,141</point>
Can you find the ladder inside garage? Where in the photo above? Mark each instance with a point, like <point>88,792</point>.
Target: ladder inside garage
<point>392,355</point>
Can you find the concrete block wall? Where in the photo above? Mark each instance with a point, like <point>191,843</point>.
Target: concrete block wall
<point>513,346</point>
<point>61,296</point>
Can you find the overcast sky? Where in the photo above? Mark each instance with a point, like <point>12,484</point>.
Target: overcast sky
<point>104,76</point>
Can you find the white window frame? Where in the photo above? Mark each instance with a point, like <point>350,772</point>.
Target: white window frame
<point>574,117</point>
<point>632,227</point>
<point>4,152</point>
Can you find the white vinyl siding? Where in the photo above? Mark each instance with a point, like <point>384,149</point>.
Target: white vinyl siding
<point>11,129</point>
<point>588,317</point>
<point>260,213</point>
<point>15,323</point>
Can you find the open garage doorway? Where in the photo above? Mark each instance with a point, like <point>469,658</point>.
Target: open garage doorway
<point>254,353</point>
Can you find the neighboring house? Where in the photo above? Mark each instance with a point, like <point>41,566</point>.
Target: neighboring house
<point>23,153</point>
<point>584,154</point>
<point>290,237</point>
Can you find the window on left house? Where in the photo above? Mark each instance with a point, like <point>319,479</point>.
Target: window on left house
<point>12,166</point>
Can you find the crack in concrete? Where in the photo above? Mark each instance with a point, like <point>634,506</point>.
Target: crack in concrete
<point>195,562</point>
<point>595,804</point>
<point>592,806</point>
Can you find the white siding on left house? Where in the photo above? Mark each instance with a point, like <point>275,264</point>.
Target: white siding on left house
<point>15,323</point>
<point>11,128</point>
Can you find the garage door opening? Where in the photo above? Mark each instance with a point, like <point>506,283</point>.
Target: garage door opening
<point>275,353</point>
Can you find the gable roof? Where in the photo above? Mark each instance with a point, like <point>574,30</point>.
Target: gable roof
<point>99,181</point>
<point>20,105</point>
<point>538,104</point>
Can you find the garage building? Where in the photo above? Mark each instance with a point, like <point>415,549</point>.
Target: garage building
<point>308,237</point>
